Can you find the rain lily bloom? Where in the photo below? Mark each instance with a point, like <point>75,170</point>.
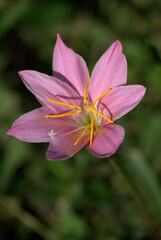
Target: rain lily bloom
<point>77,110</point>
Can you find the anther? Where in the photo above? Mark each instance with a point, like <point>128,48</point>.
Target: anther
<point>82,135</point>
<point>85,93</point>
<point>85,96</point>
<point>62,115</point>
<point>102,115</point>
<point>92,125</point>
<point>101,96</point>
<point>64,104</point>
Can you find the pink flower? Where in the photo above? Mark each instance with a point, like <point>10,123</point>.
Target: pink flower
<point>76,110</point>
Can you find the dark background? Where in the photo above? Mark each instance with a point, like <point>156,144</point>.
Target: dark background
<point>82,198</point>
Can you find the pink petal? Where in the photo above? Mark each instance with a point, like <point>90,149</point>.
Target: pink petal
<point>122,99</point>
<point>45,87</point>
<point>70,65</point>
<point>63,147</point>
<point>107,140</point>
<point>34,127</point>
<point>110,71</point>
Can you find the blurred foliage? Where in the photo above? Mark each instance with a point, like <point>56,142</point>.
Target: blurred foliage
<point>82,197</point>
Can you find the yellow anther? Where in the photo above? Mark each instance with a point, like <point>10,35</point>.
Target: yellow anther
<point>63,114</point>
<point>65,104</point>
<point>100,97</point>
<point>85,96</point>
<point>91,107</point>
<point>82,134</point>
<point>85,93</point>
<point>92,125</point>
<point>102,115</point>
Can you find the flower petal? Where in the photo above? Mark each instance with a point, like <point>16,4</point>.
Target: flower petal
<point>122,99</point>
<point>70,65</point>
<point>63,147</point>
<point>110,71</point>
<point>107,140</point>
<point>34,127</point>
<point>45,87</point>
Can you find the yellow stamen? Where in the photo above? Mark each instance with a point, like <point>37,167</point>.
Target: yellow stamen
<point>85,93</point>
<point>100,97</point>
<point>91,107</point>
<point>92,125</point>
<point>102,115</point>
<point>64,114</point>
<point>85,96</point>
<point>82,134</point>
<point>64,104</point>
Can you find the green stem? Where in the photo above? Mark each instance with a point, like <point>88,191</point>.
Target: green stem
<point>155,233</point>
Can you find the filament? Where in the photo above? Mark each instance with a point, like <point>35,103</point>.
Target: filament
<point>100,97</point>
<point>85,96</point>
<point>92,125</point>
<point>63,114</point>
<point>64,104</point>
<point>82,134</point>
<point>102,115</point>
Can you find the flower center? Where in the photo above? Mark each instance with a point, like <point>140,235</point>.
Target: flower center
<point>90,109</point>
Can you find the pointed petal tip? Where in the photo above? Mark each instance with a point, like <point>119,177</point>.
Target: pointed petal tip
<point>12,131</point>
<point>58,36</point>
<point>26,75</point>
<point>118,44</point>
<point>9,132</point>
<point>118,41</point>
<point>59,40</point>
<point>22,73</point>
<point>142,90</point>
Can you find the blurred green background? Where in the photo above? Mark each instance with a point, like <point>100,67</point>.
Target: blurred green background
<point>82,198</point>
